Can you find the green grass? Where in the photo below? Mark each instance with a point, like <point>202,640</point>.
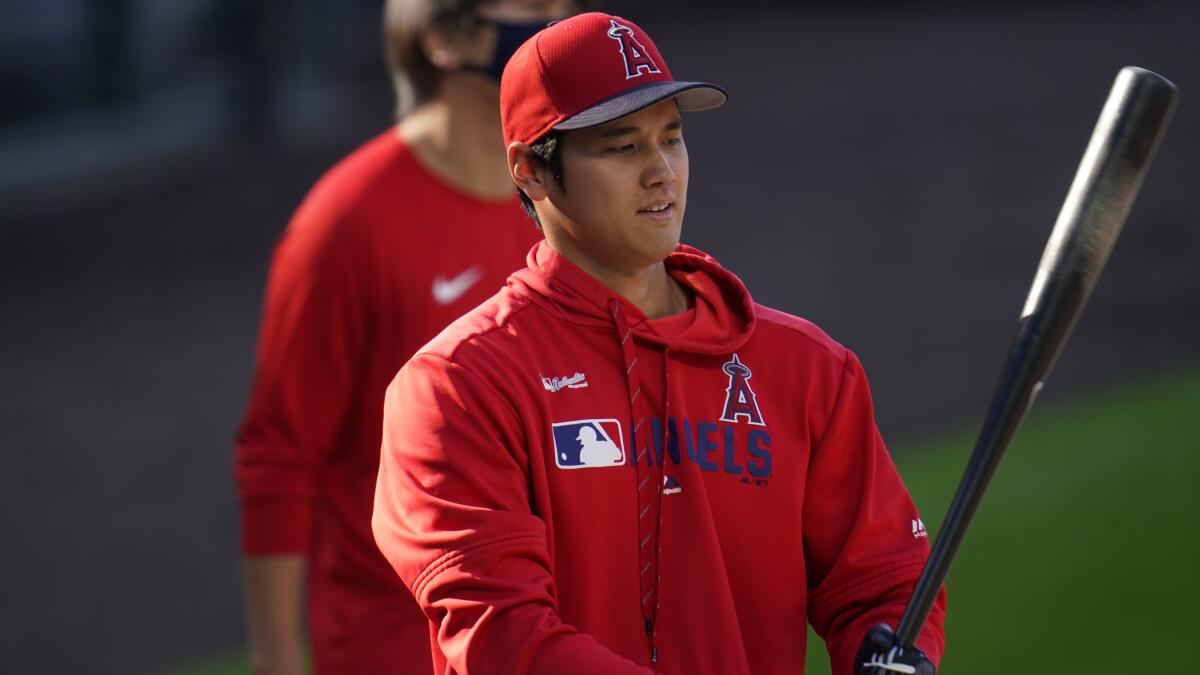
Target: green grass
<point>1081,558</point>
<point>234,664</point>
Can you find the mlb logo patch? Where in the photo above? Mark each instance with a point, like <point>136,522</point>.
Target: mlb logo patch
<point>588,444</point>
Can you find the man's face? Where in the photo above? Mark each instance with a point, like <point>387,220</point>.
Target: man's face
<point>625,187</point>
<point>477,46</point>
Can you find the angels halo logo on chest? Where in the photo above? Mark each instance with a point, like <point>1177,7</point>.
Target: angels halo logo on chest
<point>740,401</point>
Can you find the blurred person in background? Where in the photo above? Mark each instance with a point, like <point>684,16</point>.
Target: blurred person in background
<point>401,237</point>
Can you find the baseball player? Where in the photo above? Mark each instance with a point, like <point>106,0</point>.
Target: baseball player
<point>408,232</point>
<point>749,491</point>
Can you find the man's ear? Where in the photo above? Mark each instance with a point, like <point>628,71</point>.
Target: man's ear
<point>528,171</point>
<point>440,49</point>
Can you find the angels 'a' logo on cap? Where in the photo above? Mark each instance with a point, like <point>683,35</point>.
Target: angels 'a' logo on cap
<point>637,59</point>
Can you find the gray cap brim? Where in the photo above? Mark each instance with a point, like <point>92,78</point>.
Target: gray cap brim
<point>691,97</point>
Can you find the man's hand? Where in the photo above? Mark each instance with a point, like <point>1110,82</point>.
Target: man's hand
<point>881,655</point>
<point>275,608</point>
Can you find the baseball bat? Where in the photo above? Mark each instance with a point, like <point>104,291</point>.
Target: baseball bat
<point>1117,158</point>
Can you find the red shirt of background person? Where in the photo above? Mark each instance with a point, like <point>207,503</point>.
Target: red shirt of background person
<point>397,240</point>
<point>620,463</point>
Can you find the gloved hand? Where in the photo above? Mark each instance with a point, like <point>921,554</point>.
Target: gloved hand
<point>880,654</point>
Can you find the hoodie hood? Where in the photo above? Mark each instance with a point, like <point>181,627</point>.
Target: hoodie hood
<point>723,320</point>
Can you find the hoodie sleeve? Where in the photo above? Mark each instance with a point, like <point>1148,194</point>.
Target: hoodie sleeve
<point>453,517</point>
<point>863,549</point>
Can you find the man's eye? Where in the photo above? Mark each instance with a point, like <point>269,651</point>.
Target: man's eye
<point>674,141</point>
<point>628,147</point>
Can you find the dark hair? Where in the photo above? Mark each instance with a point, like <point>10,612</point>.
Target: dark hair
<point>548,151</point>
<point>414,77</point>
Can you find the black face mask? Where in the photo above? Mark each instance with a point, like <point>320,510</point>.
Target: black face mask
<point>509,36</point>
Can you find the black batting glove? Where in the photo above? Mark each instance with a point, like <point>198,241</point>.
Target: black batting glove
<point>881,654</point>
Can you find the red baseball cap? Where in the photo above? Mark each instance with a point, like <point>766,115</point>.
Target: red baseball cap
<point>587,70</point>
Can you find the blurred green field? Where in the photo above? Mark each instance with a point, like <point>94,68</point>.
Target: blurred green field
<point>1081,558</point>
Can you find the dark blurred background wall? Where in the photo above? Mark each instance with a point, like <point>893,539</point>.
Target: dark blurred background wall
<point>888,170</point>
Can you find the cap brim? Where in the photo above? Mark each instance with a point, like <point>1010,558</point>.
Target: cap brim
<point>691,97</point>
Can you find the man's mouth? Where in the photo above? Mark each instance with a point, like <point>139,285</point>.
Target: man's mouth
<point>660,210</point>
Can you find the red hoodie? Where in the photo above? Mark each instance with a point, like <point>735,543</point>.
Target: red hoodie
<point>381,255</point>
<point>512,503</point>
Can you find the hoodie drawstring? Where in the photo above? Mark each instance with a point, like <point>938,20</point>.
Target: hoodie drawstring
<point>649,481</point>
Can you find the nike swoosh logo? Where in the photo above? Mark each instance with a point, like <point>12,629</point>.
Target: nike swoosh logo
<point>446,291</point>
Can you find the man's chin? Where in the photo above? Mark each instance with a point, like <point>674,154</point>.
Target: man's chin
<point>663,248</point>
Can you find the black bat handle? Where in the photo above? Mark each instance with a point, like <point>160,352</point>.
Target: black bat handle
<point>1018,387</point>
<point>1109,176</point>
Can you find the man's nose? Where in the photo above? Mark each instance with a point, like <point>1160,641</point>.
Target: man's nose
<point>659,171</point>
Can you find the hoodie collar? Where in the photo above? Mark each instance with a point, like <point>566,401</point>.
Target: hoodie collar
<point>724,317</point>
